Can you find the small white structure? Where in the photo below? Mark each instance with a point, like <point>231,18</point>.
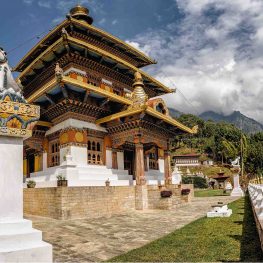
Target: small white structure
<point>176,176</point>
<point>237,191</point>
<point>220,210</point>
<point>228,186</point>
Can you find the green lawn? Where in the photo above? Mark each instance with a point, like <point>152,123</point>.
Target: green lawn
<point>209,192</point>
<point>207,239</point>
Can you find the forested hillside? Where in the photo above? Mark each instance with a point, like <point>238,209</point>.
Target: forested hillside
<point>222,142</point>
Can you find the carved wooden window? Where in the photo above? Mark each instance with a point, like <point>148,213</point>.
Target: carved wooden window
<point>95,151</point>
<point>54,156</point>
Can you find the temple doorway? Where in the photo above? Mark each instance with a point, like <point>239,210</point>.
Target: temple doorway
<point>129,161</point>
<point>31,162</point>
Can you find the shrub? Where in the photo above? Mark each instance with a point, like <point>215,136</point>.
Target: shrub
<point>198,182</point>
<point>185,191</point>
<point>166,193</point>
<point>31,184</point>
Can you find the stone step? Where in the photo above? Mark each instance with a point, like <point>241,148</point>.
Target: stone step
<point>15,226</point>
<point>106,171</point>
<point>38,252</point>
<point>20,239</point>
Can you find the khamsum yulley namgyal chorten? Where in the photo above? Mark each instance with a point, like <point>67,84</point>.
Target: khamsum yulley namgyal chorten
<point>100,118</point>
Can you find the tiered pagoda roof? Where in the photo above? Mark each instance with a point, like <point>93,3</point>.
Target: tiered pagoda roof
<point>86,59</point>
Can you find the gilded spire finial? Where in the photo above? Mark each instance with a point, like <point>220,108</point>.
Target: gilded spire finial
<point>138,79</point>
<point>81,13</point>
<point>138,96</point>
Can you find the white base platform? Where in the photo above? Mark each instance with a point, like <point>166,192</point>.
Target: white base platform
<point>83,175</point>
<point>19,242</point>
<point>237,192</point>
<point>228,213</point>
<point>220,210</point>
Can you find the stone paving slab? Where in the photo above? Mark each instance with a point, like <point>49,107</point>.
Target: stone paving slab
<point>103,238</point>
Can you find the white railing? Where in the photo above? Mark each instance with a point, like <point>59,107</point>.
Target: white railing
<point>256,197</point>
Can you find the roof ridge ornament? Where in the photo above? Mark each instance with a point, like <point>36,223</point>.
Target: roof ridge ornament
<point>59,73</point>
<point>81,13</point>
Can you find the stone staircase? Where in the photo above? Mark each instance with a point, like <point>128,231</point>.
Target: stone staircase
<point>84,175</point>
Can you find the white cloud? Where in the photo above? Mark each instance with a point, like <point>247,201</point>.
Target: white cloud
<point>28,2</point>
<point>102,21</point>
<point>214,56</point>
<point>114,22</point>
<point>57,20</point>
<point>45,4</point>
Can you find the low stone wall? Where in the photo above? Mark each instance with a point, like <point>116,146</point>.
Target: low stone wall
<point>256,198</point>
<point>155,201</point>
<point>78,202</point>
<point>97,201</point>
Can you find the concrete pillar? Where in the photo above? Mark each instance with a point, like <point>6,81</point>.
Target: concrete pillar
<point>167,168</point>
<point>120,160</point>
<point>114,160</point>
<point>19,242</point>
<point>109,158</point>
<point>44,161</point>
<point>161,165</point>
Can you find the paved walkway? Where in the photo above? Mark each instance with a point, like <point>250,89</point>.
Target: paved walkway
<point>103,238</point>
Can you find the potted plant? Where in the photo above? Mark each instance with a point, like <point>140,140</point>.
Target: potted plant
<point>185,191</point>
<point>31,184</point>
<point>166,193</point>
<point>61,181</point>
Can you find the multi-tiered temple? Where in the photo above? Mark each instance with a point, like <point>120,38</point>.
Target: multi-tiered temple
<point>100,115</point>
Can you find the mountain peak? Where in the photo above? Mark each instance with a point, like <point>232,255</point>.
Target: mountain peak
<point>246,124</point>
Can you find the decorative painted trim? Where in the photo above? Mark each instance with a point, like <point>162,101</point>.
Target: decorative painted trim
<point>18,119</point>
<point>5,131</point>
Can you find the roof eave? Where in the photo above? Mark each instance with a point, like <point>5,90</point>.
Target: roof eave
<point>32,50</point>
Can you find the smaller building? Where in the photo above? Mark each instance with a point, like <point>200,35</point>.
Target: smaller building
<point>187,160</point>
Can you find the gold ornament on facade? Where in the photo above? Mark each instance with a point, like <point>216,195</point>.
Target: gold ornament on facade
<point>138,96</point>
<point>79,137</point>
<point>64,138</point>
<point>14,123</point>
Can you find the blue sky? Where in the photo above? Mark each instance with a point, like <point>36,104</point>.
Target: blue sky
<point>24,19</point>
<point>211,50</point>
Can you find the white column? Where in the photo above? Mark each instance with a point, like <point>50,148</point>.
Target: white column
<point>109,158</point>
<point>19,242</point>
<point>161,165</point>
<point>120,160</point>
<point>44,161</point>
<point>11,178</point>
